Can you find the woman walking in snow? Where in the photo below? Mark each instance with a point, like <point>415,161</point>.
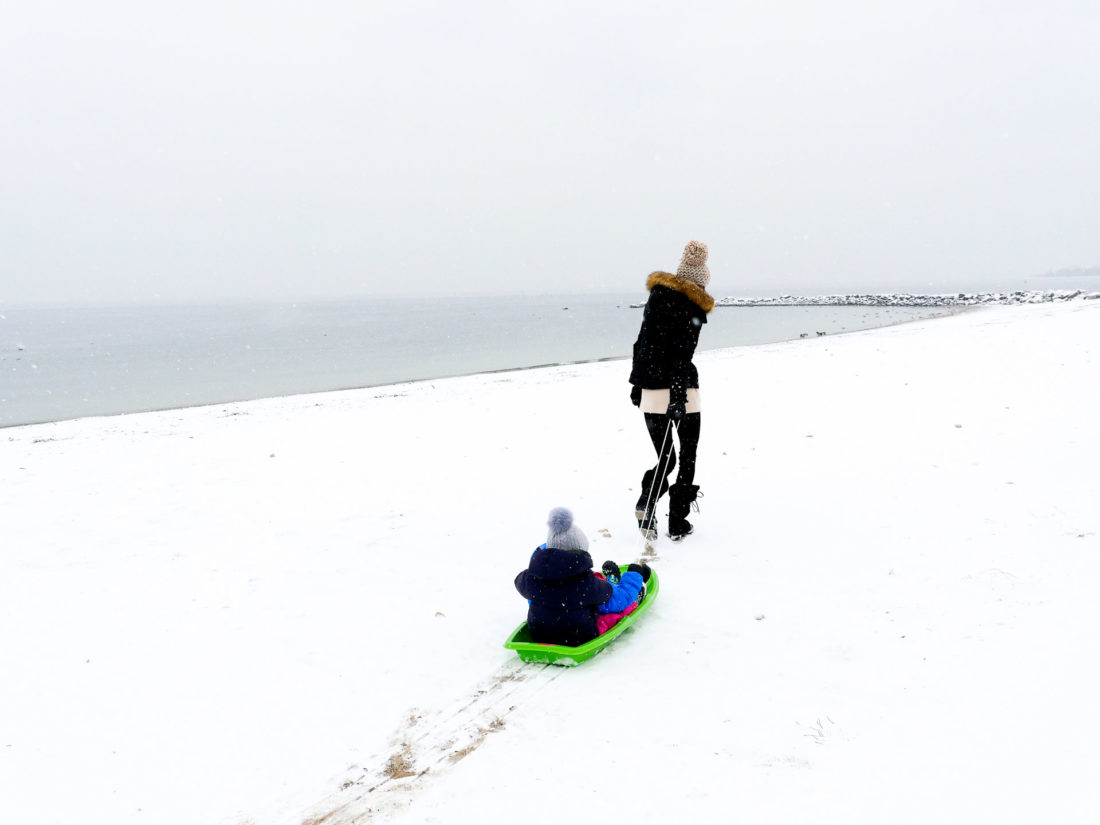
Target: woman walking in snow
<point>666,386</point>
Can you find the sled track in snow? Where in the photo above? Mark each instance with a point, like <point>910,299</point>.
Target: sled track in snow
<point>426,745</point>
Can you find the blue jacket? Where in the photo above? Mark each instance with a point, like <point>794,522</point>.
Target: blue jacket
<point>565,596</point>
<point>624,594</point>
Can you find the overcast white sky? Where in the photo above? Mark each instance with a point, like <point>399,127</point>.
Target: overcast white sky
<point>277,150</point>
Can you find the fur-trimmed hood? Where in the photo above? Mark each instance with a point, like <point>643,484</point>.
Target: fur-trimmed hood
<point>693,291</point>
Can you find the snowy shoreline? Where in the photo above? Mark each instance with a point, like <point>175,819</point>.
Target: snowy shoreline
<point>144,362</point>
<point>292,610</point>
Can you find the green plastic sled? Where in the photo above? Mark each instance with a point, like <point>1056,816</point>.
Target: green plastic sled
<point>530,651</point>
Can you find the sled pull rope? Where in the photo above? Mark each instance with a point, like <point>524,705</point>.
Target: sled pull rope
<point>658,480</point>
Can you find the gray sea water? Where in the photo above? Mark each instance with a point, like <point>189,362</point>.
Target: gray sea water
<point>59,363</point>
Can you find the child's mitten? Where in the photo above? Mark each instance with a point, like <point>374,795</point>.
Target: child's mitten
<point>611,572</point>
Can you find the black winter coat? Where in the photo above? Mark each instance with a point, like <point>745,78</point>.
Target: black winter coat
<point>673,317</point>
<point>564,594</point>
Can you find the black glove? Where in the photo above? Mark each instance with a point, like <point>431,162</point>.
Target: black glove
<point>642,568</point>
<point>636,396</point>
<point>677,402</point>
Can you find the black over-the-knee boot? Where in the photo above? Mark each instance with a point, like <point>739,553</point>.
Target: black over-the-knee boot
<point>680,499</point>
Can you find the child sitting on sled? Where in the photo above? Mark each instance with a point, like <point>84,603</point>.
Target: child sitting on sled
<point>569,603</point>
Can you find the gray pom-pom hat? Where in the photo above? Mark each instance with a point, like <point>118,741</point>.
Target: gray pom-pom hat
<point>564,534</point>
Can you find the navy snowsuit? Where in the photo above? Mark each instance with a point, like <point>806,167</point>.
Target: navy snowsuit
<point>566,596</point>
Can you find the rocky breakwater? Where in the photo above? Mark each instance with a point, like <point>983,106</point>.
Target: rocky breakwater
<point>904,299</point>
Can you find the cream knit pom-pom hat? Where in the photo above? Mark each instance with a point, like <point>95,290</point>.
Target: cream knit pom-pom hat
<point>693,266</point>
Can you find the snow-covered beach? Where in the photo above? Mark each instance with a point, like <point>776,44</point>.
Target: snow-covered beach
<point>292,610</point>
